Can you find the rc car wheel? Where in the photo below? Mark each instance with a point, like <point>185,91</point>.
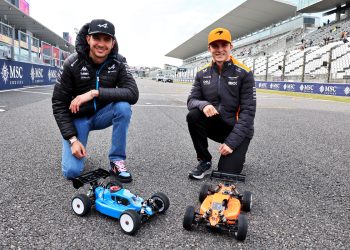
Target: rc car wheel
<point>242,225</point>
<point>81,204</point>
<point>188,218</point>
<point>247,201</point>
<point>130,221</point>
<point>114,183</point>
<point>203,193</point>
<point>162,202</point>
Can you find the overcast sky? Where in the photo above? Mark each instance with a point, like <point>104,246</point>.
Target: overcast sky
<point>145,30</point>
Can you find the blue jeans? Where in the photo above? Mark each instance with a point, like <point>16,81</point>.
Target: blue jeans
<point>117,114</point>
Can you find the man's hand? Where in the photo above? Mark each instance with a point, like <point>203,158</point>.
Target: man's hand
<point>224,149</point>
<point>210,111</point>
<point>81,99</point>
<point>78,149</point>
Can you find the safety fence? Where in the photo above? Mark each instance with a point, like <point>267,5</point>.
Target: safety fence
<point>302,87</point>
<point>18,74</point>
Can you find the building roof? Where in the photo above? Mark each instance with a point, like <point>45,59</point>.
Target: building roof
<point>250,16</point>
<point>322,5</point>
<point>20,20</point>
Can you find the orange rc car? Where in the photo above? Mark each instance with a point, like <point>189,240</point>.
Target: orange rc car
<point>221,207</point>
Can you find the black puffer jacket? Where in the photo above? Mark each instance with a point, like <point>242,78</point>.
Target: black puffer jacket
<point>79,75</point>
<point>232,93</point>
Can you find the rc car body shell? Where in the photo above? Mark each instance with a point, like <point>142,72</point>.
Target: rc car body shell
<point>220,207</point>
<point>113,200</point>
<point>216,202</point>
<point>115,203</point>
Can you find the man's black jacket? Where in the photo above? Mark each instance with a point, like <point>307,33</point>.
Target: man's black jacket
<point>78,76</point>
<point>233,95</point>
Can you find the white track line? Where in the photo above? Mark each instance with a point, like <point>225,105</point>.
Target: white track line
<point>30,87</point>
<point>34,92</point>
<point>159,105</point>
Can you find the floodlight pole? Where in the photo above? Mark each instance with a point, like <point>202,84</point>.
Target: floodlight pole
<point>303,68</point>
<point>329,65</point>
<point>267,67</point>
<point>284,65</point>
<point>254,65</point>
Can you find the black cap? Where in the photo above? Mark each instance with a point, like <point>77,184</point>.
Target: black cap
<point>101,26</point>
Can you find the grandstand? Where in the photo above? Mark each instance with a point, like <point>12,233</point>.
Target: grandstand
<point>24,39</point>
<point>280,42</point>
<point>30,53</point>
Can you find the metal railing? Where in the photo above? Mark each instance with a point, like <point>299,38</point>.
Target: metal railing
<point>28,48</point>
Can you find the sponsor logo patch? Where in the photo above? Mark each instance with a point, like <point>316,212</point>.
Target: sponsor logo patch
<point>232,80</point>
<point>84,73</point>
<point>206,82</point>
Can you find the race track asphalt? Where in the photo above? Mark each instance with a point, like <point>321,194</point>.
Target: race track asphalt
<point>298,169</point>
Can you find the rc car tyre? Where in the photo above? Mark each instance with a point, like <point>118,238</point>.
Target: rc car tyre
<point>114,183</point>
<point>242,225</point>
<point>81,204</point>
<point>247,201</point>
<point>162,202</point>
<point>203,193</point>
<point>130,221</point>
<point>188,218</point>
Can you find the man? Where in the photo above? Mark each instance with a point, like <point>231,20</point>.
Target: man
<point>94,90</point>
<point>222,106</point>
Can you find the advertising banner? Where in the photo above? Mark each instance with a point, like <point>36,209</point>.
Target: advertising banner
<point>46,49</point>
<point>24,6</point>
<point>19,74</point>
<point>336,89</point>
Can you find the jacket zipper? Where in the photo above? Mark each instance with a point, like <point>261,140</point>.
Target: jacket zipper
<point>98,82</point>
<point>219,88</point>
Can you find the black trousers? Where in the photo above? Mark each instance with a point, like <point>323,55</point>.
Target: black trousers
<point>201,128</point>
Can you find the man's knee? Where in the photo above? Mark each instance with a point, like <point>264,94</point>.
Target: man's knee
<point>122,109</point>
<point>70,173</point>
<point>72,167</point>
<point>194,116</point>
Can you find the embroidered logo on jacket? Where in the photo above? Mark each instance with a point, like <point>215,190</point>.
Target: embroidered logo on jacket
<point>232,80</point>
<point>111,69</point>
<point>206,82</point>
<point>84,73</point>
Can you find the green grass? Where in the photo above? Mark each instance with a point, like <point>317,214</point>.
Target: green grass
<point>305,95</point>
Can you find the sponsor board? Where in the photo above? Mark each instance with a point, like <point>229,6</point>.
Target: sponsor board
<point>18,74</point>
<point>311,88</point>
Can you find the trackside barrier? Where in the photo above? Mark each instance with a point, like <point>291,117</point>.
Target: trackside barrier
<point>310,88</point>
<point>18,74</point>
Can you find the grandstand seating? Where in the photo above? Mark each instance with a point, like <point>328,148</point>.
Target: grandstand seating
<point>332,31</point>
<point>259,55</point>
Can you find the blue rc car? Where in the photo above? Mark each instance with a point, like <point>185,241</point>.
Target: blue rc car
<point>113,200</point>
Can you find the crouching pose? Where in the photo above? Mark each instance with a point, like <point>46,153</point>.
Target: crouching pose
<point>222,106</point>
<point>94,90</point>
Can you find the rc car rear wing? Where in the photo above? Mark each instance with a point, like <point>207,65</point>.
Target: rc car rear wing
<point>90,177</point>
<point>227,176</point>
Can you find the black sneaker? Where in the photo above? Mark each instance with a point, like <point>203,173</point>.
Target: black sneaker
<point>119,171</point>
<point>201,170</point>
